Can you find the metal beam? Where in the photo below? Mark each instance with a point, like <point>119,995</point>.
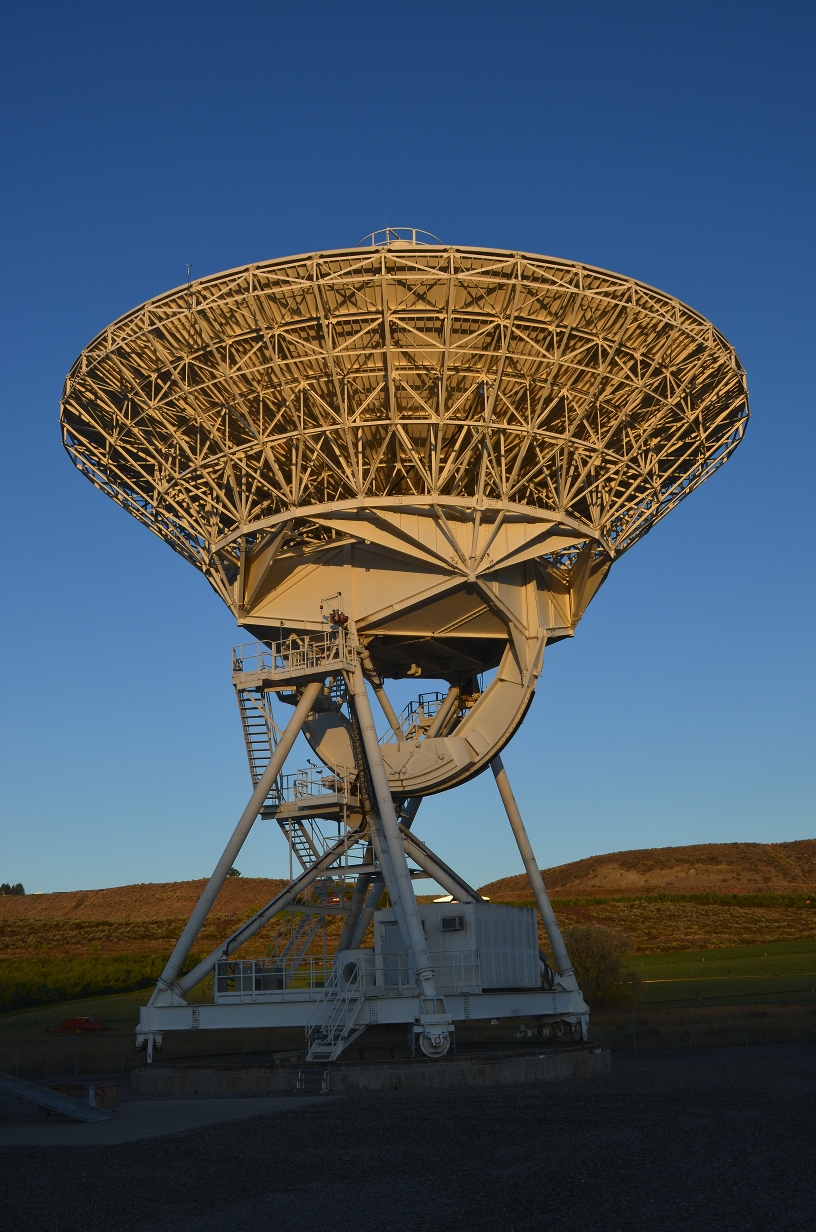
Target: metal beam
<point>561,959</point>
<point>438,869</point>
<point>238,837</point>
<point>280,902</point>
<point>389,839</point>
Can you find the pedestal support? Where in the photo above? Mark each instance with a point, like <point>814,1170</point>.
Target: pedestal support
<point>566,975</point>
<point>391,858</point>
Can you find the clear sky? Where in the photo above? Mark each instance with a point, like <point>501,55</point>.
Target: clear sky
<point>674,143</point>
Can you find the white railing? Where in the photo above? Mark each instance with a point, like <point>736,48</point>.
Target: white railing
<point>416,717</point>
<point>296,654</point>
<point>458,971</point>
<point>333,1020</point>
<point>455,971</point>
<point>316,781</point>
<point>242,980</point>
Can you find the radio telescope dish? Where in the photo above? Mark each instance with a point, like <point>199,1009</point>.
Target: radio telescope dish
<point>453,444</point>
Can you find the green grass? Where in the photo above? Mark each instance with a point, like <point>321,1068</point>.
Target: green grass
<point>119,1011</point>
<point>28,982</point>
<point>772,968</point>
<point>754,970</point>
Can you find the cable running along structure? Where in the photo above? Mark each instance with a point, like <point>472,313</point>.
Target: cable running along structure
<point>401,460</point>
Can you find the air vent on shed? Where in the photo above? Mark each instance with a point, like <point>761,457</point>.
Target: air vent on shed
<point>452,923</point>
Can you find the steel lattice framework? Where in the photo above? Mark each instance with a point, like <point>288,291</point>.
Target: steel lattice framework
<point>401,460</point>
<point>477,377</point>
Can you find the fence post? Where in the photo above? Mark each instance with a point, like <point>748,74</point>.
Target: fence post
<point>744,1022</point>
<point>634,1032</point>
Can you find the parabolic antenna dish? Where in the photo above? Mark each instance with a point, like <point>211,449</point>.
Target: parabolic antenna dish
<point>401,459</point>
<point>453,444</point>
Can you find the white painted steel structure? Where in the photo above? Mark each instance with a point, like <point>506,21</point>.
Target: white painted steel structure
<point>453,445</point>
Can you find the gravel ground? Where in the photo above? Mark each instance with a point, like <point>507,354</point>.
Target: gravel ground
<point>716,1139</point>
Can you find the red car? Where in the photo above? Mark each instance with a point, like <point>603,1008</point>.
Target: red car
<point>77,1026</point>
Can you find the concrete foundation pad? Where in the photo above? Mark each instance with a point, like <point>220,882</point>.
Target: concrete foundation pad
<point>142,1119</point>
<point>483,1069</point>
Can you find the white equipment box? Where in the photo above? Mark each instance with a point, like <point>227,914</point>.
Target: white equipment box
<point>473,946</point>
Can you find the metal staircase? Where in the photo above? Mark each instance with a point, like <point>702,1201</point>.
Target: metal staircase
<point>334,1026</point>
<point>307,841</point>
<point>261,734</point>
<point>297,801</point>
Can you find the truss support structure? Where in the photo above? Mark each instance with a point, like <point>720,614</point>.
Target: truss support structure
<point>280,902</point>
<point>376,887</point>
<point>441,872</point>
<point>566,975</point>
<point>237,840</point>
<point>358,900</point>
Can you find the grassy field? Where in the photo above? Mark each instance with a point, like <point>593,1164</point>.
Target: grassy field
<point>46,981</point>
<point>732,996</point>
<point>772,969</point>
<point>119,1011</point>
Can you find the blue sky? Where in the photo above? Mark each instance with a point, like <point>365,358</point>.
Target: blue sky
<point>674,143</point>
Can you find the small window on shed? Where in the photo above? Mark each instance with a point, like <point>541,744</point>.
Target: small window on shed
<point>452,923</point>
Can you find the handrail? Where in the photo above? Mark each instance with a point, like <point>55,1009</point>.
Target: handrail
<point>296,653</point>
<point>314,781</point>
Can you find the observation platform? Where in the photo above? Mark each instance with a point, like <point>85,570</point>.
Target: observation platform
<point>312,792</point>
<point>295,660</point>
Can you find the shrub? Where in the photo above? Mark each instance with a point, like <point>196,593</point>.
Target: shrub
<point>599,960</point>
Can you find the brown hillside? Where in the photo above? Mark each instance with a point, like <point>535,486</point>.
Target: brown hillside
<point>148,901</point>
<point>134,919</point>
<point>721,868</point>
<point>147,919</point>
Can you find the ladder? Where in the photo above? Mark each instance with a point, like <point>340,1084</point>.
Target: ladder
<point>261,734</point>
<point>334,1024</point>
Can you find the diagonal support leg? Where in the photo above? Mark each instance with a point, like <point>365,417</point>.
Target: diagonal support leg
<point>390,852</point>
<point>566,975</point>
<point>367,913</point>
<point>438,869</point>
<point>201,911</point>
<point>280,902</point>
<point>356,906</point>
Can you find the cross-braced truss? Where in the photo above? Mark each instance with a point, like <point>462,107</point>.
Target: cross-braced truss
<point>487,378</point>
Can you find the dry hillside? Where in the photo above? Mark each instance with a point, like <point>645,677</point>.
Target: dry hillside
<point>640,892</point>
<point>643,894</point>
<point>148,901</point>
<point>707,868</point>
<point>144,919</point>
